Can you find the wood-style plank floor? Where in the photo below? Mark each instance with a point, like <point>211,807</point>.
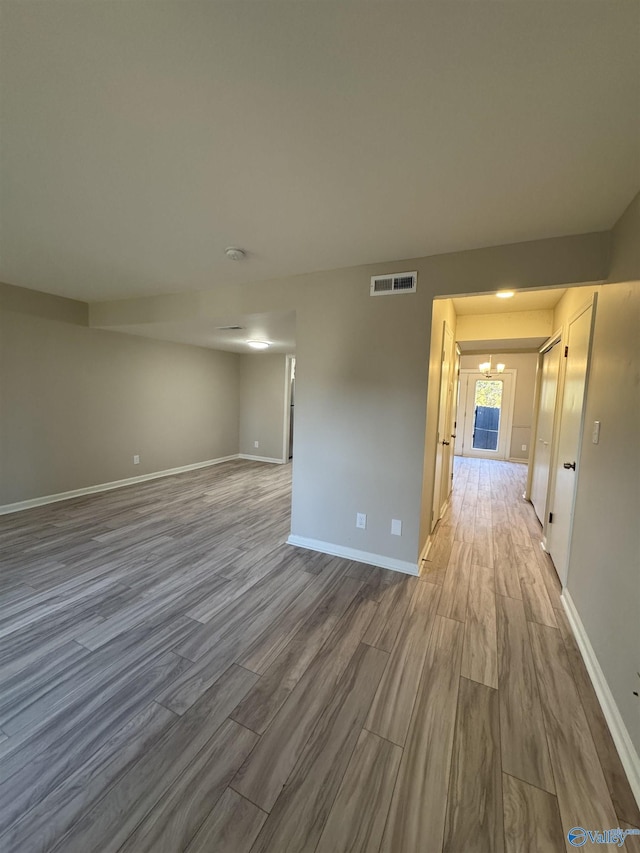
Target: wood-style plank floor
<point>175,678</point>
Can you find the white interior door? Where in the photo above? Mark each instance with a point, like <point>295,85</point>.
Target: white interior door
<point>452,407</point>
<point>544,433</point>
<point>488,414</point>
<point>566,466</point>
<point>443,438</point>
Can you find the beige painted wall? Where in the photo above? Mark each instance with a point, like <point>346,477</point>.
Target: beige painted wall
<point>76,403</point>
<point>517,324</point>
<point>525,363</point>
<point>262,404</point>
<point>362,372</point>
<point>604,566</point>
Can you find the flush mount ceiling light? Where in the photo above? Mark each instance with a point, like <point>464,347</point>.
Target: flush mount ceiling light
<point>235,254</point>
<point>485,368</point>
<point>258,344</point>
<point>505,294</point>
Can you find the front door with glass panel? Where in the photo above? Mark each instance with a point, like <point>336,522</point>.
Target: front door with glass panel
<point>486,415</point>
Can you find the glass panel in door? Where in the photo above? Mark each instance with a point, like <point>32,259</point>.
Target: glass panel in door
<point>487,407</point>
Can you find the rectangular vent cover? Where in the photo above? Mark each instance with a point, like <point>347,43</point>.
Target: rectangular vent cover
<point>401,282</point>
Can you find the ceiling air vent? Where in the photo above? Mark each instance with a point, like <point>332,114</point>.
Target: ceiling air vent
<point>401,282</point>
<point>228,328</point>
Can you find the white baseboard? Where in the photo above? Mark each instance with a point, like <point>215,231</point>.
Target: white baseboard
<point>518,459</point>
<point>106,487</point>
<point>261,459</point>
<point>626,750</point>
<point>354,554</point>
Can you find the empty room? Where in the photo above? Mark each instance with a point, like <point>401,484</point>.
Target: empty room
<point>319,418</point>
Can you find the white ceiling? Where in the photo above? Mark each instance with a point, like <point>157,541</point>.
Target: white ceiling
<point>277,328</point>
<point>522,300</point>
<point>140,139</point>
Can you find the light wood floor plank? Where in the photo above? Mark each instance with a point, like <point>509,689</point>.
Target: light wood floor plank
<point>455,589</point>
<point>231,827</point>
<point>42,826</point>
<point>93,760</point>
<point>300,812</point>
<point>391,613</point>
<point>356,821</point>
<point>525,753</point>
<point>621,794</point>
<point>582,790</point>
<point>507,580</point>
<point>417,811</point>
<point>482,550</point>
<point>267,769</point>
<point>434,568</point>
<point>392,706</point>
<point>474,805</point>
<point>270,693</point>
<point>537,605</point>
<point>531,819</point>
<point>177,816</point>
<point>107,826</point>
<point>480,653</point>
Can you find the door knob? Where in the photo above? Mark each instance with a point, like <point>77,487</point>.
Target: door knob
<point>569,466</point>
<point>446,442</point>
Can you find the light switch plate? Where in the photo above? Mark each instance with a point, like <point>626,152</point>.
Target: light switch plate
<point>396,527</point>
<point>595,435</point>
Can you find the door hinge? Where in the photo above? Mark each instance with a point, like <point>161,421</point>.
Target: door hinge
<point>550,518</point>
<point>566,351</point>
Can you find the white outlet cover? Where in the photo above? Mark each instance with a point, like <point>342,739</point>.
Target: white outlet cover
<point>396,527</point>
<point>524,446</point>
<point>136,459</point>
<point>256,444</point>
<point>361,520</point>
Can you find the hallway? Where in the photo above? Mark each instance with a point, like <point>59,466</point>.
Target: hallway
<point>177,679</point>
<point>526,705</point>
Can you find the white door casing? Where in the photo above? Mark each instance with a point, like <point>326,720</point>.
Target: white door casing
<point>565,475</point>
<point>541,462</point>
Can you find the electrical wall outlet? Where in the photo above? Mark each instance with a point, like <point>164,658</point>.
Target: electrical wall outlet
<point>361,520</point>
<point>396,527</point>
<point>136,459</point>
<point>256,444</point>
<point>524,446</point>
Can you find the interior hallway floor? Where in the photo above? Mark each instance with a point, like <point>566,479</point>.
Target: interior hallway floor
<point>174,678</point>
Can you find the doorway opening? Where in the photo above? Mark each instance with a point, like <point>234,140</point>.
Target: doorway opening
<point>517,415</point>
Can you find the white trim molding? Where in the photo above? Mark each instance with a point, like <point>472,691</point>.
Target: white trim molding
<point>354,554</point>
<point>106,487</point>
<point>270,459</point>
<point>619,733</point>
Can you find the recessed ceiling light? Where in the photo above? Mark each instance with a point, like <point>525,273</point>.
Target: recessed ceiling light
<point>258,344</point>
<point>505,294</point>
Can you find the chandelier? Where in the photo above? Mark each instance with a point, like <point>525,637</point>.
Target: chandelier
<point>486,368</point>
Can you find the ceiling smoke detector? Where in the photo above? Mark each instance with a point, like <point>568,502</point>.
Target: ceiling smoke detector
<point>235,254</point>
